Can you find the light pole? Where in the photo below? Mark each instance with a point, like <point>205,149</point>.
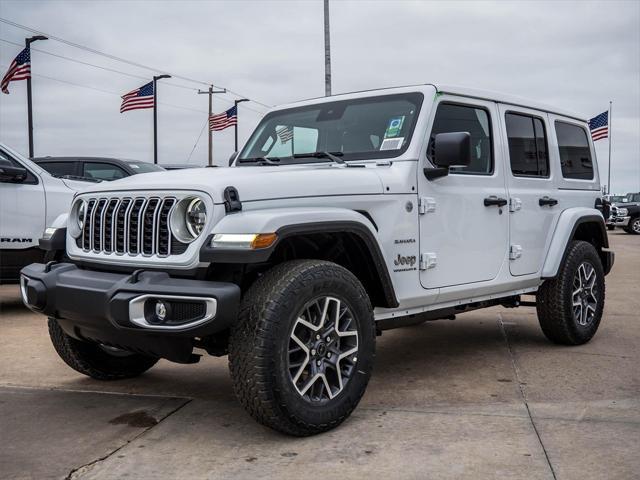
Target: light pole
<point>327,51</point>
<point>28,42</point>
<point>235,103</point>
<point>155,115</point>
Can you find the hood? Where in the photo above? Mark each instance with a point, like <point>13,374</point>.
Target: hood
<point>256,183</point>
<point>75,185</point>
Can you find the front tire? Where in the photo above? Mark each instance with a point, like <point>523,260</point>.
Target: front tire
<point>95,360</point>
<point>570,305</point>
<point>302,351</point>
<point>634,226</point>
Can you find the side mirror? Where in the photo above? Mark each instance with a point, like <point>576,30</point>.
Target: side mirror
<point>11,174</point>
<point>449,150</point>
<point>232,158</point>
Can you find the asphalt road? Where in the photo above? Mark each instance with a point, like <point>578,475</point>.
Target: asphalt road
<point>484,396</point>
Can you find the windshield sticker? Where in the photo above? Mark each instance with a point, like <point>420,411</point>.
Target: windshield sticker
<point>133,165</point>
<point>394,128</point>
<point>392,143</point>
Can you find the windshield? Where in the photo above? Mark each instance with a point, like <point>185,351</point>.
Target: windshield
<point>142,167</point>
<point>356,129</point>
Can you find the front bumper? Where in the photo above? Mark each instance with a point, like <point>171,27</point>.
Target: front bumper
<point>119,309</point>
<point>618,221</point>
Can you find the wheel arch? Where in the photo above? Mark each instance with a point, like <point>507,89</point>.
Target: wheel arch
<point>346,237</point>
<point>578,224</point>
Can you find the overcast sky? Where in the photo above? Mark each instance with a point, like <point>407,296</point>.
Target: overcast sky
<point>575,55</point>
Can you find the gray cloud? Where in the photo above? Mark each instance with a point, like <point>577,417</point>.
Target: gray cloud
<point>576,55</point>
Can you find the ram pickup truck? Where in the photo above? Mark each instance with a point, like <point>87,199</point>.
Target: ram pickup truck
<point>30,201</point>
<point>341,217</point>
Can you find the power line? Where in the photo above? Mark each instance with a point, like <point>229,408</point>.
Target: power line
<point>96,66</point>
<point>197,141</point>
<point>119,59</point>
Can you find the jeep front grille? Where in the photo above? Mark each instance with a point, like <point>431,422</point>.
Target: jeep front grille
<point>129,225</point>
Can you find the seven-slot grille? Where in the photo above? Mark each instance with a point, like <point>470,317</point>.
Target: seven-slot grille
<point>129,225</point>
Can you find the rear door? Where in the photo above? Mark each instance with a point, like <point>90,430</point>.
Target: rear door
<point>534,206</point>
<point>463,240</point>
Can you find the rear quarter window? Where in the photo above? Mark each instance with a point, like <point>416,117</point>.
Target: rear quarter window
<point>575,153</point>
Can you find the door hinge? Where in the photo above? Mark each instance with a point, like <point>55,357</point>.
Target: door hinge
<point>426,205</point>
<point>515,204</point>
<point>428,260</point>
<point>515,251</point>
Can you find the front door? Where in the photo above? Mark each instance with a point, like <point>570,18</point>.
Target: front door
<point>22,209</point>
<point>464,229</point>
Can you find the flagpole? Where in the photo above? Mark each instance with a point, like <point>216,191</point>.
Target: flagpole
<point>235,103</point>
<point>609,172</point>
<point>327,51</point>
<point>210,92</point>
<point>155,116</point>
<point>28,42</point>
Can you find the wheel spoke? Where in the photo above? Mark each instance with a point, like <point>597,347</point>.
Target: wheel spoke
<point>325,331</point>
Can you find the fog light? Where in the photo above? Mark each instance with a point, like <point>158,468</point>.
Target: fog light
<point>161,310</point>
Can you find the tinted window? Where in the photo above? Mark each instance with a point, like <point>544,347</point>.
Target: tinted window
<point>460,118</point>
<point>575,154</point>
<point>142,167</point>
<point>59,169</point>
<point>5,159</point>
<point>527,145</point>
<point>103,171</point>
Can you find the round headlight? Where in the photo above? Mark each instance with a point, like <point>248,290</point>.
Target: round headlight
<point>188,218</point>
<point>196,217</point>
<point>77,218</point>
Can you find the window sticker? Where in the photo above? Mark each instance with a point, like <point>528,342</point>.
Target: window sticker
<point>392,143</point>
<point>394,128</point>
<point>133,165</point>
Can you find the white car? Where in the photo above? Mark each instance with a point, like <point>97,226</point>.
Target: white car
<point>341,217</point>
<point>30,200</point>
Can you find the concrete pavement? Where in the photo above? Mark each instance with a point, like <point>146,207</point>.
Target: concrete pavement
<point>484,396</point>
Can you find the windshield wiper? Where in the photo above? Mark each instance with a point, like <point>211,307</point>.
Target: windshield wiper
<point>333,156</point>
<point>261,160</point>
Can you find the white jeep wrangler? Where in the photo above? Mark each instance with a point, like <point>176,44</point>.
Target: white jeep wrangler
<point>342,216</point>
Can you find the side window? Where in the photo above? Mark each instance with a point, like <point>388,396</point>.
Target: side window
<point>575,154</point>
<point>59,169</point>
<point>528,151</point>
<point>103,171</point>
<point>8,160</point>
<point>476,121</point>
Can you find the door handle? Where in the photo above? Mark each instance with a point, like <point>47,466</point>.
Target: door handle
<point>495,201</point>
<point>547,201</point>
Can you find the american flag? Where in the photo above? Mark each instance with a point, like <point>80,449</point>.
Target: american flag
<point>285,134</point>
<point>139,98</point>
<point>20,69</point>
<point>599,126</point>
<point>224,119</point>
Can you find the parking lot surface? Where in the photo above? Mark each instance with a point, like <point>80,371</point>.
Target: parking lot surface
<point>484,396</point>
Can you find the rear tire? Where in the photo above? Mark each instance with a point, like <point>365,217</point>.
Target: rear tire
<point>302,350</point>
<point>570,305</point>
<point>95,360</point>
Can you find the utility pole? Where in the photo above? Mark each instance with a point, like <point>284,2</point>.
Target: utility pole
<point>155,116</point>
<point>28,42</point>
<point>235,103</point>
<point>327,51</point>
<point>211,92</point>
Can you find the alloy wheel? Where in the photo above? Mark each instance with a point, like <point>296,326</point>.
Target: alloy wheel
<point>323,348</point>
<point>635,226</point>
<point>584,297</point>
